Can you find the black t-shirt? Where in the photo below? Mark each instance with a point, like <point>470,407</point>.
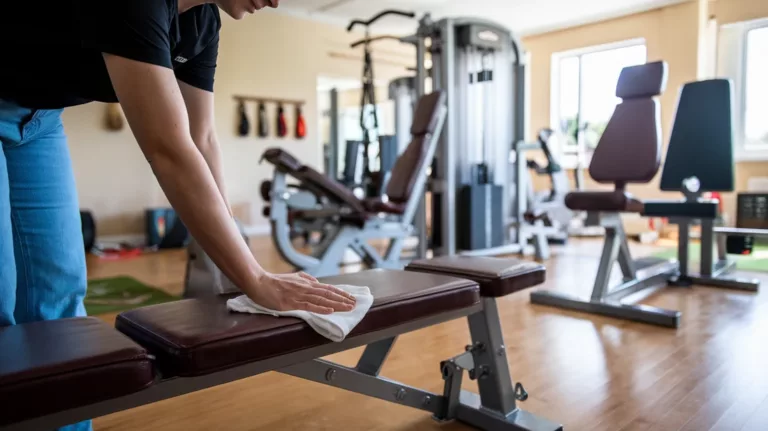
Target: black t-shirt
<point>52,49</point>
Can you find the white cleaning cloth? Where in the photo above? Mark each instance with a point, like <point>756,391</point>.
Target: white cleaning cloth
<point>334,326</point>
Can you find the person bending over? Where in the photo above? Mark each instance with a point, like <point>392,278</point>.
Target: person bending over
<point>157,58</point>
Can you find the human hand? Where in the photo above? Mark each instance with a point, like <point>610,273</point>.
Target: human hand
<point>299,291</point>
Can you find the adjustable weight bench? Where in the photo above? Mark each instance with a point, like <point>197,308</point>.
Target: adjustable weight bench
<point>357,221</point>
<point>55,373</point>
<point>629,151</point>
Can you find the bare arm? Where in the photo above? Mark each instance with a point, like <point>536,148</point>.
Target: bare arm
<point>199,104</point>
<point>154,108</point>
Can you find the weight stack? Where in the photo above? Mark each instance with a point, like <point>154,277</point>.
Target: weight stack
<point>479,221</point>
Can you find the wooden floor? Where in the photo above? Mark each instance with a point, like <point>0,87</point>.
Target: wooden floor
<point>587,372</point>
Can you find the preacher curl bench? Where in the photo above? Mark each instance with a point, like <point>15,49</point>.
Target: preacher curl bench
<point>354,221</point>
<point>54,373</point>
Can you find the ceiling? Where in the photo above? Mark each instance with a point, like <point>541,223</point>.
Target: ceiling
<point>521,16</point>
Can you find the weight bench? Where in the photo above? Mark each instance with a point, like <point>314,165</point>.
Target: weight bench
<point>389,217</point>
<point>54,373</point>
<point>629,151</point>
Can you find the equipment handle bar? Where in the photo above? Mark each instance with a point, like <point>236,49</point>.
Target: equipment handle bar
<point>379,16</point>
<point>374,39</point>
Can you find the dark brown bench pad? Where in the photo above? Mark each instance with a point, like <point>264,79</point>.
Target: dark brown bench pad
<point>199,336</point>
<point>607,201</point>
<point>51,366</point>
<point>497,276</point>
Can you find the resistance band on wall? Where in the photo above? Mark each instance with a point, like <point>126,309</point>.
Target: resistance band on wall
<point>262,119</point>
<point>301,126</point>
<point>263,131</point>
<point>282,127</point>
<point>244,126</point>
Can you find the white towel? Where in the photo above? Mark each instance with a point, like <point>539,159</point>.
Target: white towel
<point>334,326</point>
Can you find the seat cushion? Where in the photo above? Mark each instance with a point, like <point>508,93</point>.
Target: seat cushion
<point>706,210</point>
<point>610,201</point>
<point>332,189</point>
<point>199,336</point>
<point>497,276</point>
<point>377,205</point>
<point>50,366</point>
<point>282,160</point>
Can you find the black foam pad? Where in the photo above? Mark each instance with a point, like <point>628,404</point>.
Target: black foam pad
<point>642,81</point>
<point>701,144</point>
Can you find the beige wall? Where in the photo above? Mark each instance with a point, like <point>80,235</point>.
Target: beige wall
<point>730,11</point>
<point>671,34</point>
<point>263,55</point>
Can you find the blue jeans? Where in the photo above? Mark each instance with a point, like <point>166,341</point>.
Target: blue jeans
<point>42,257</point>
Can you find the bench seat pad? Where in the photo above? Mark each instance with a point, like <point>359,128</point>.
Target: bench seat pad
<point>497,276</point>
<point>608,201</point>
<point>51,366</point>
<point>199,336</point>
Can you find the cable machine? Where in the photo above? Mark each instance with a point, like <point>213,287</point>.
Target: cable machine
<point>372,181</point>
<point>479,65</point>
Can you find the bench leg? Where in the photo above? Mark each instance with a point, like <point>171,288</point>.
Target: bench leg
<point>638,275</point>
<point>374,356</point>
<point>495,408</point>
<point>339,376</point>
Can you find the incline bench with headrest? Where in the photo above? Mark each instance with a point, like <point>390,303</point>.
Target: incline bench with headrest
<point>388,217</point>
<point>629,151</point>
<point>59,372</point>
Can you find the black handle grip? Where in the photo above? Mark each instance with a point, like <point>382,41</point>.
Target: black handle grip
<point>379,16</point>
<point>373,39</point>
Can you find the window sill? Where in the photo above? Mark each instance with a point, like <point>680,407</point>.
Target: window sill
<point>752,155</point>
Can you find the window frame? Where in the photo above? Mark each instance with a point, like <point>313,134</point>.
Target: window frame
<point>732,64</point>
<point>578,156</point>
<point>746,145</point>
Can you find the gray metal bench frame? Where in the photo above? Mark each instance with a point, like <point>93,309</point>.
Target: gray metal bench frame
<point>715,273</point>
<point>638,275</point>
<point>495,408</point>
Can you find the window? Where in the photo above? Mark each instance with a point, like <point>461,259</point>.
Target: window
<point>756,89</point>
<point>741,57</point>
<point>584,94</point>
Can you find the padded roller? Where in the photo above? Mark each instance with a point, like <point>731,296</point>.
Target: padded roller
<point>497,276</point>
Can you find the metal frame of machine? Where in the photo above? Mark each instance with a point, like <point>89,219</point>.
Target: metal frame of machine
<point>456,45</point>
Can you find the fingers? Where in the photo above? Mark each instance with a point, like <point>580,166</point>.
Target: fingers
<point>274,3</point>
<point>336,302</point>
<point>313,308</point>
<point>306,276</point>
<point>329,290</point>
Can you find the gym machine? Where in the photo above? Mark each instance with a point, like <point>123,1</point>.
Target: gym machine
<point>543,216</point>
<point>312,216</point>
<point>637,158</point>
<point>373,182</point>
<point>479,65</point>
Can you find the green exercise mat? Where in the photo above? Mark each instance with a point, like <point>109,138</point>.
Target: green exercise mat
<point>757,261</point>
<point>117,294</point>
